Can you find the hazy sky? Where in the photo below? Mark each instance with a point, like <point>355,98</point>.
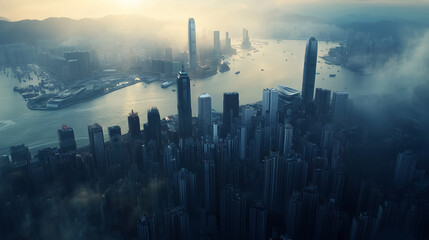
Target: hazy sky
<point>164,9</point>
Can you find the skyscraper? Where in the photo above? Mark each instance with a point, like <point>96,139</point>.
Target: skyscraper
<point>230,110</point>
<point>177,223</point>
<point>67,140</point>
<point>246,43</point>
<point>187,190</point>
<point>257,222</point>
<point>288,137</point>
<point>209,186</point>
<point>216,46</point>
<point>405,168</point>
<point>146,227</point>
<point>232,213</point>
<point>184,104</point>
<point>339,106</point>
<point>243,143</point>
<point>134,125</point>
<point>116,144</point>
<point>192,41</point>
<point>323,102</point>
<point>310,61</point>
<point>96,140</point>
<point>228,48</point>
<point>270,103</point>
<point>204,114</point>
<point>153,131</point>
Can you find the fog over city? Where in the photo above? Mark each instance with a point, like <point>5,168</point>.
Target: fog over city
<point>216,119</point>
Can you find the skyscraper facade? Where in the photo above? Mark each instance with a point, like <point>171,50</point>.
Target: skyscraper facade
<point>184,104</point>
<point>134,124</point>
<point>228,47</point>
<point>204,114</point>
<point>230,110</point>
<point>339,106</point>
<point>96,140</point>
<point>153,131</point>
<point>67,140</point>
<point>323,102</point>
<point>246,42</point>
<point>309,76</point>
<point>116,144</point>
<point>216,44</point>
<point>405,168</point>
<point>270,105</point>
<point>192,41</point>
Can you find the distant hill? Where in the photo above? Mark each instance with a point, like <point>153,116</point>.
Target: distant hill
<point>31,31</point>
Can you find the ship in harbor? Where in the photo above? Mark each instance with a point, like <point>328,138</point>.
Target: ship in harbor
<point>167,84</point>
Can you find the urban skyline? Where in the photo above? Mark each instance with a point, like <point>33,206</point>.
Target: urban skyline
<point>189,155</point>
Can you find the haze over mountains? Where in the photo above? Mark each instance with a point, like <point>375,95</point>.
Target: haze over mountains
<point>138,26</point>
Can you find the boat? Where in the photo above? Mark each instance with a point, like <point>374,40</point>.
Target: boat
<point>332,75</point>
<point>237,72</point>
<point>166,84</point>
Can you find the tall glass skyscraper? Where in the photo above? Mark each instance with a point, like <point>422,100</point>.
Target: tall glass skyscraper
<point>153,132</point>
<point>309,76</point>
<point>134,125</point>
<point>96,140</point>
<point>192,41</point>
<point>184,104</point>
<point>204,114</point>
<point>270,103</point>
<point>67,140</point>
<point>216,44</point>
<point>230,110</point>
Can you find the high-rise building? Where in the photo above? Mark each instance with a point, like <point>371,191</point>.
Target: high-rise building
<point>204,114</point>
<point>405,168</point>
<point>146,227</point>
<point>270,103</point>
<point>177,223</point>
<point>228,47</point>
<point>82,68</point>
<point>243,143</point>
<point>339,106</point>
<point>322,100</point>
<point>209,186</point>
<point>216,44</point>
<point>134,125</point>
<point>288,137</point>
<point>20,154</point>
<point>184,104</point>
<point>192,41</point>
<point>187,190</point>
<point>232,214</point>
<point>116,144</point>
<point>246,42</point>
<point>96,141</point>
<point>257,222</point>
<point>153,131</point>
<point>310,61</point>
<point>230,110</point>
<point>67,140</point>
<point>274,183</point>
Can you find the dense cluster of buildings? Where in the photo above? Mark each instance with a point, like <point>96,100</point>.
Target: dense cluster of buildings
<point>273,170</point>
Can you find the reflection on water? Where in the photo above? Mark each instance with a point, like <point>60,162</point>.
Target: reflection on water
<point>38,129</point>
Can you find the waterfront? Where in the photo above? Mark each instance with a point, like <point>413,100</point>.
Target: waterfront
<point>38,129</point>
